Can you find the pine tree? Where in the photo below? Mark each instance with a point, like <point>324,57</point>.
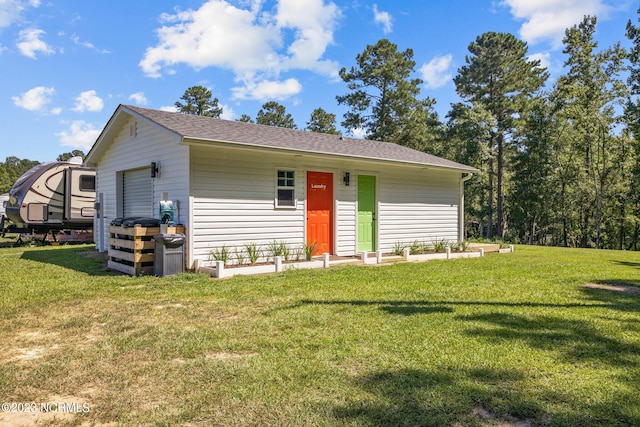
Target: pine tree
<point>384,98</point>
<point>499,77</point>
<point>199,101</point>
<point>322,122</point>
<point>274,114</point>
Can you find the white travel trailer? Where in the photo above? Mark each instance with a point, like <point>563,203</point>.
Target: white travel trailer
<point>52,196</point>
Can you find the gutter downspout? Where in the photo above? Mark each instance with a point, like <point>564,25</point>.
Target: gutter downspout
<point>461,207</point>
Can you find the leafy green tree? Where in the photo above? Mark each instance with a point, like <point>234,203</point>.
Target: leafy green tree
<point>499,77</point>
<point>632,120</point>
<point>199,101</point>
<point>467,131</point>
<point>537,170</point>
<point>245,118</point>
<point>322,122</point>
<point>12,169</point>
<point>586,98</point>
<point>275,114</point>
<point>66,156</point>
<point>383,98</point>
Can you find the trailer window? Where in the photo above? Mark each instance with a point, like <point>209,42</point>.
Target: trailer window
<point>87,183</point>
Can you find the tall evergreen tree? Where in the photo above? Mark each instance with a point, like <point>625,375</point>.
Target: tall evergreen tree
<point>468,129</point>
<point>245,118</point>
<point>322,122</point>
<point>498,76</point>
<point>384,97</point>
<point>275,114</point>
<point>585,99</point>
<point>199,101</point>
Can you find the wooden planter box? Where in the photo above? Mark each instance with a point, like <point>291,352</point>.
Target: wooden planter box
<point>132,249</point>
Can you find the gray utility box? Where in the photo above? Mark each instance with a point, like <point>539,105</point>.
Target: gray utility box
<point>169,256</point>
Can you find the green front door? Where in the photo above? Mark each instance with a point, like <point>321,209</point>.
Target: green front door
<point>366,213</point>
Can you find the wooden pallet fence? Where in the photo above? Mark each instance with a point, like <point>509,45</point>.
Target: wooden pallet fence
<point>132,249</point>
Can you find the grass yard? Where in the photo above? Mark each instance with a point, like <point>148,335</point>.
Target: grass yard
<point>505,340</point>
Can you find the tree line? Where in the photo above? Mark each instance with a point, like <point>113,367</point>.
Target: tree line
<point>557,164</point>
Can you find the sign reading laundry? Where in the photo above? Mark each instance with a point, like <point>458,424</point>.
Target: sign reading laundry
<point>320,186</point>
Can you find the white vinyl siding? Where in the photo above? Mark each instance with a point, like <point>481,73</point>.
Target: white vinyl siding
<point>233,202</point>
<point>417,205</point>
<point>128,151</point>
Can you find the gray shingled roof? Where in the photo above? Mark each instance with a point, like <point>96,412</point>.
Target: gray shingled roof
<point>242,133</point>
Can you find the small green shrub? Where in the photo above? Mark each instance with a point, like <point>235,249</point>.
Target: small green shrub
<point>220,254</point>
<point>415,248</point>
<point>278,248</point>
<point>253,252</point>
<point>240,256</point>
<point>309,249</point>
<point>398,248</point>
<point>440,245</point>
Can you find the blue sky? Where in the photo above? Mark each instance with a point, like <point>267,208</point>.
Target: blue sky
<point>67,65</point>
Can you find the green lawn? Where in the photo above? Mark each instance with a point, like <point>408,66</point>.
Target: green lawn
<point>500,340</point>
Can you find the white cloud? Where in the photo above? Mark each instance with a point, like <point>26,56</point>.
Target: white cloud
<point>76,39</point>
<point>437,72</point>
<point>266,90</point>
<point>227,112</point>
<point>251,42</point>
<point>543,57</point>
<point>79,135</point>
<point>383,18</point>
<point>313,23</point>
<point>547,20</point>
<point>169,108</point>
<point>11,10</point>
<point>29,43</point>
<point>139,98</point>
<point>358,133</point>
<point>34,99</point>
<point>88,101</point>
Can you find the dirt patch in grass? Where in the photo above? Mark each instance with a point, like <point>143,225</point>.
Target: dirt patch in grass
<point>31,345</point>
<point>487,419</point>
<point>221,355</point>
<point>613,287</point>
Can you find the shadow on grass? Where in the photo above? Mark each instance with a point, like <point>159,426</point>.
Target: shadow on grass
<point>439,306</point>
<point>574,333</point>
<point>628,263</point>
<point>411,309</point>
<point>576,341</point>
<point>83,259</point>
<point>480,396</point>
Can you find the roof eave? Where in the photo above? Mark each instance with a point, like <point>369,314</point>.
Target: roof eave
<point>200,141</point>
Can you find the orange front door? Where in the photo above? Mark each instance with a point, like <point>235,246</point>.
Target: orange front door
<point>320,211</point>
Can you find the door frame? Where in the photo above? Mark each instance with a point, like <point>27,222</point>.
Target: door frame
<point>375,209</point>
<point>334,212</point>
<point>377,204</point>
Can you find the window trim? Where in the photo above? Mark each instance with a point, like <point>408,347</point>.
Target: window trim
<point>278,187</point>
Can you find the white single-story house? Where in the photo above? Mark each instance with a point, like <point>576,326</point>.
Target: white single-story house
<point>235,183</point>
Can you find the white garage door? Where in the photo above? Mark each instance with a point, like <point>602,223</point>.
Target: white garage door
<point>137,193</point>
